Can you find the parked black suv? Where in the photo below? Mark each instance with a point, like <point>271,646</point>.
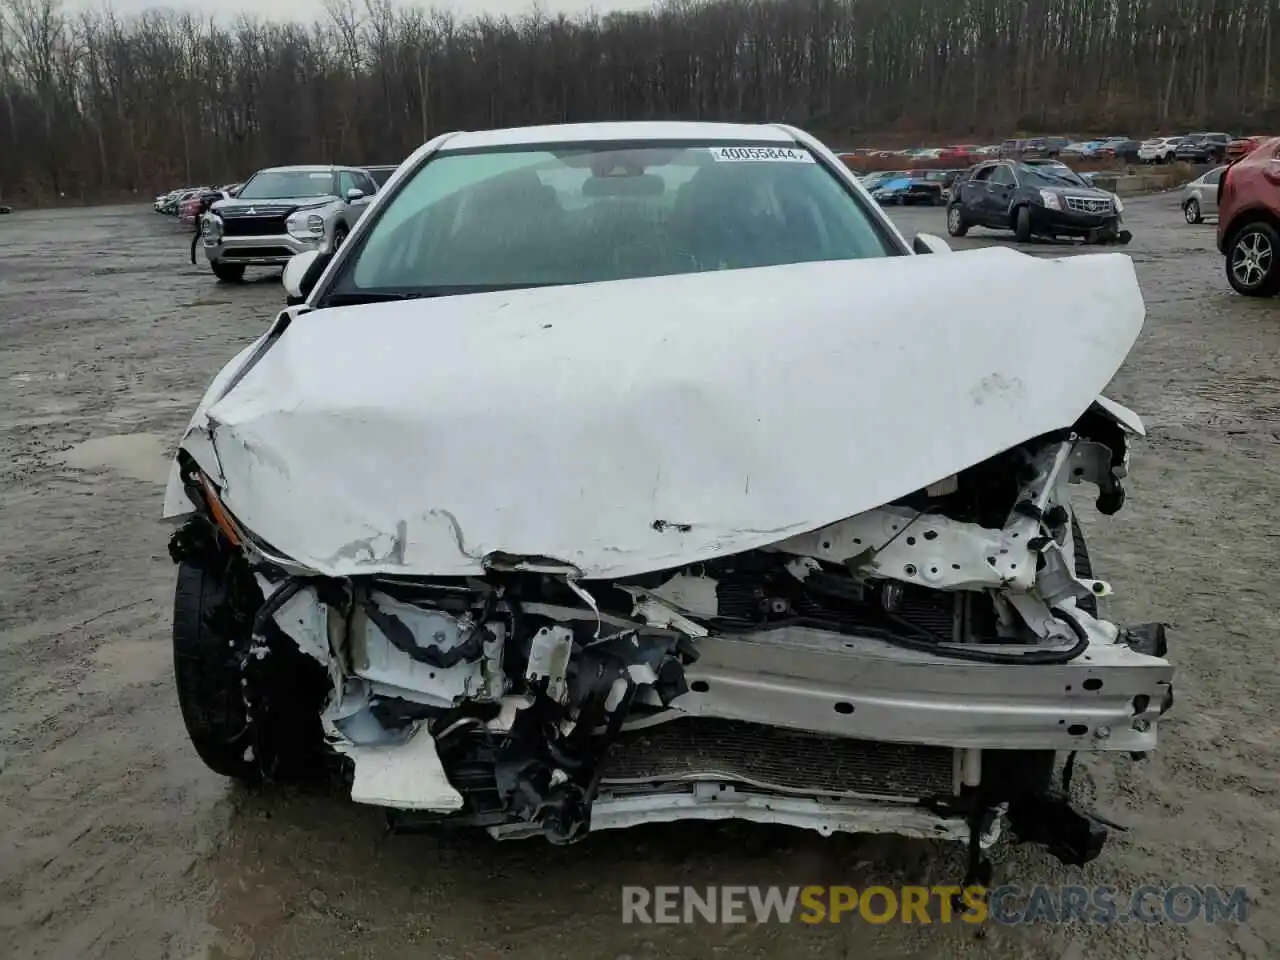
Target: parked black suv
<point>1044,147</point>
<point>1033,202</point>
<point>382,173</point>
<point>1203,148</point>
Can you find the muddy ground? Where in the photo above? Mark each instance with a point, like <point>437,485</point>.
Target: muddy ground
<point>116,843</point>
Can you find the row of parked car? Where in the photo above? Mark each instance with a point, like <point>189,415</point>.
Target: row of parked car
<point>276,213</point>
<point>1043,197</point>
<point>1201,147</point>
<point>938,187</point>
<point>910,187</point>
<point>183,201</point>
<point>1198,148</point>
<point>280,212</point>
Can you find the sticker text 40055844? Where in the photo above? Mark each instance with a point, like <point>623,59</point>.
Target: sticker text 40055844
<point>750,154</point>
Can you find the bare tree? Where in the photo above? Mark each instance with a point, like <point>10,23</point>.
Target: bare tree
<point>95,104</point>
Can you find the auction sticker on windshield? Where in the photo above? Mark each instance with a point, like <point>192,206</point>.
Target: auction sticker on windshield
<point>747,154</point>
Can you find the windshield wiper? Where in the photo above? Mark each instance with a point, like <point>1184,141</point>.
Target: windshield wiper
<point>357,298</point>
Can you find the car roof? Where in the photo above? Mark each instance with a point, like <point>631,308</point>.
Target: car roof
<point>657,130</point>
<point>308,168</point>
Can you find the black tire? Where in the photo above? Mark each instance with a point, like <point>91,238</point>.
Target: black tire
<point>339,237</point>
<point>956,225</point>
<point>1251,261</point>
<point>1191,211</point>
<point>228,272</point>
<point>206,669</point>
<point>1022,224</point>
<point>1084,566</point>
<point>209,643</point>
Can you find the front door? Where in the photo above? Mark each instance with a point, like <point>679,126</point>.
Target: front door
<point>1000,187</point>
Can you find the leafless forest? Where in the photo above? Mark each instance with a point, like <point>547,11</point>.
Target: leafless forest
<point>95,105</point>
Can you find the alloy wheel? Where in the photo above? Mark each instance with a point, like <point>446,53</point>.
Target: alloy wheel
<point>1251,258</point>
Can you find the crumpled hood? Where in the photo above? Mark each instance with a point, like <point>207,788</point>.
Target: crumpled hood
<point>631,426</point>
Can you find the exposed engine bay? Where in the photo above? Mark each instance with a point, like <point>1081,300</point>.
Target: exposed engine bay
<point>913,669</point>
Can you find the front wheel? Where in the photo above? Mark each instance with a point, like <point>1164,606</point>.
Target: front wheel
<point>1251,260</point>
<point>281,738</point>
<point>228,272</point>
<point>955,221</point>
<point>207,671</point>
<point>339,237</point>
<point>1022,224</point>
<point>1191,211</point>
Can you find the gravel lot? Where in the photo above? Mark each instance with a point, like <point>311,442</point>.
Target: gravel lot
<point>116,843</point>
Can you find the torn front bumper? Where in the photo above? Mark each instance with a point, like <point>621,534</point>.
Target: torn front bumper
<point>1110,699</point>
<point>713,801</point>
<point>763,712</point>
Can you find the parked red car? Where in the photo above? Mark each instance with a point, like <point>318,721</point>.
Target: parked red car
<point>189,208</point>
<point>1242,147</point>
<point>962,153</point>
<point>1249,221</point>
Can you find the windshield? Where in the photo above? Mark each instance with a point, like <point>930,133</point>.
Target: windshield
<point>279,184</point>
<point>1053,174</point>
<point>539,216</point>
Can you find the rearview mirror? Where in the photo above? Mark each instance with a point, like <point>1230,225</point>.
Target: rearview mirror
<point>925,243</point>
<point>300,277</point>
<point>354,194</point>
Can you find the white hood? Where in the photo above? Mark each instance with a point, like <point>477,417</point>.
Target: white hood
<point>631,426</point>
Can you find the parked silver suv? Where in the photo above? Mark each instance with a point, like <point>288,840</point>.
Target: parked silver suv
<point>282,211</point>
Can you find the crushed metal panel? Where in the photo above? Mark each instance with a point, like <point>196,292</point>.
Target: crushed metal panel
<point>687,459</point>
<point>406,776</point>
<point>714,801</point>
<point>304,620</point>
<point>1122,415</point>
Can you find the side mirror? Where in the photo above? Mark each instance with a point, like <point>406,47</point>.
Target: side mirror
<point>925,243</point>
<point>354,194</point>
<point>300,275</point>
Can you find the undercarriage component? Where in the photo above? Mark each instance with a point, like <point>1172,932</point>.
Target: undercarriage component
<point>549,654</point>
<point>1050,819</point>
<point>777,759</point>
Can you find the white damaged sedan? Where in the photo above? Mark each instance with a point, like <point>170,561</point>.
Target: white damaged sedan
<point>620,473</point>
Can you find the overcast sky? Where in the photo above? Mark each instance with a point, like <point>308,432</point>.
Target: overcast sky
<point>310,10</point>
